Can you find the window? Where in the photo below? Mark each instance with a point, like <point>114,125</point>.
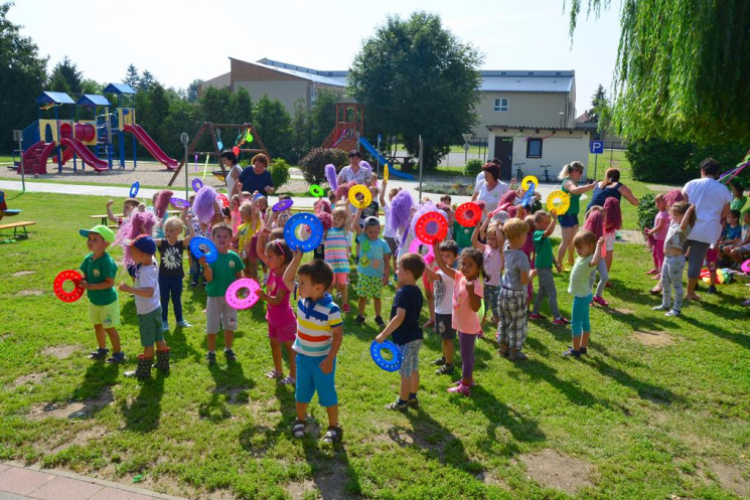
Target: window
<point>501,105</point>
<point>534,148</point>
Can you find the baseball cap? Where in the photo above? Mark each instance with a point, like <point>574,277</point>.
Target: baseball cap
<point>103,231</point>
<point>144,243</point>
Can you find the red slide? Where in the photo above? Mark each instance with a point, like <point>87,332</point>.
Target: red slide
<point>85,154</point>
<point>151,146</point>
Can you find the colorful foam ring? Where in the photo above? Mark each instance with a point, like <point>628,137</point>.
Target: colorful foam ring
<point>223,200</point>
<point>134,189</point>
<point>316,232</point>
<point>197,184</point>
<point>529,179</point>
<point>317,191</point>
<point>468,214</point>
<point>195,248</point>
<point>283,205</point>
<point>558,201</point>
<point>746,266</point>
<point>385,172</point>
<point>428,221</point>
<point>376,351</point>
<point>180,202</point>
<point>61,279</point>
<point>360,189</point>
<point>232,295</point>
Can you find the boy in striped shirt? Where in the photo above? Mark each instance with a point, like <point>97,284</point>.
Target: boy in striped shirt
<point>319,334</point>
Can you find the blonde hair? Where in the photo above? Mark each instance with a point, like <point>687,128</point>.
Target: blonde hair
<point>539,215</point>
<point>246,207</point>
<point>659,198</point>
<point>174,222</point>
<point>570,167</point>
<point>514,228</point>
<point>584,238</point>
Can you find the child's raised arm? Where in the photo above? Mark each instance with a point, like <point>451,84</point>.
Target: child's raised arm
<point>475,235</point>
<point>110,214</point>
<point>686,218</point>
<point>291,270</point>
<point>382,192</point>
<point>260,246</point>
<point>190,228</point>
<point>597,253</point>
<point>551,228</point>
<point>451,273</point>
<point>432,275</point>
<point>355,221</point>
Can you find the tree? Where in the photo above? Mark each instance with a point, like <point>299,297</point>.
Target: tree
<point>66,78</point>
<point>598,104</point>
<point>241,106</point>
<point>301,131</point>
<point>415,77</point>
<point>192,91</point>
<point>23,74</point>
<point>322,116</point>
<point>682,69</point>
<point>275,127</point>
<point>132,77</point>
<point>89,86</point>
<point>146,81</point>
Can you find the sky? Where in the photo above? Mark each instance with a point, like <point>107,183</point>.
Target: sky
<point>182,41</point>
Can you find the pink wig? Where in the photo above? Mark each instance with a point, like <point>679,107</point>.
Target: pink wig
<point>613,215</point>
<point>204,206</point>
<point>512,211</point>
<point>162,202</point>
<point>507,199</point>
<point>331,177</point>
<point>674,196</point>
<point>322,206</point>
<point>342,192</point>
<point>481,204</point>
<point>326,220</point>
<point>595,223</point>
<point>139,223</point>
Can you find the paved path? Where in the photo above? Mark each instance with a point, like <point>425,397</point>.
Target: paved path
<point>19,482</point>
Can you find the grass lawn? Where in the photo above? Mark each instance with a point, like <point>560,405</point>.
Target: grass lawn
<point>629,421</point>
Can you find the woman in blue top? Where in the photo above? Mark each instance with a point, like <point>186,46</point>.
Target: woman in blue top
<point>611,187</point>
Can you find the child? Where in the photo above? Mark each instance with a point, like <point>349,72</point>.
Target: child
<point>171,272</point>
<point>284,215</point>
<point>374,254</point>
<point>683,219</point>
<point>390,232</point>
<point>493,266</point>
<point>146,291</point>
<point>195,268</point>
<point>320,332</point>
<point>404,326</point>
<point>595,223</point>
<point>260,204</point>
<point>244,235</point>
<point>219,275</point>
<point>336,253</point>
<point>658,233</point>
<point>234,211</point>
<point>282,326</point>
<point>443,285</point>
<point>738,198</point>
<point>467,299</point>
<point>739,250</point>
<point>128,206</point>
<point>462,235</point>
<point>589,251</point>
<point>161,210</point>
<point>512,328</point>
<point>730,234</point>
<point>544,222</point>
<point>99,272</point>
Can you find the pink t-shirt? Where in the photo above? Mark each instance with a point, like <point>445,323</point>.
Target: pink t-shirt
<point>493,266</point>
<point>661,235</point>
<point>465,320</point>
<point>280,314</point>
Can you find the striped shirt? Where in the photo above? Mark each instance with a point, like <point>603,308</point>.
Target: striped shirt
<point>337,250</point>
<point>315,324</point>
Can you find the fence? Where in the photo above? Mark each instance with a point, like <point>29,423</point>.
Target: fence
<point>614,156</point>
<point>458,157</point>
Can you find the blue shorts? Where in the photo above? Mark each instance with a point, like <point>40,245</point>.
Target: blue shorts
<point>568,220</point>
<point>310,378</point>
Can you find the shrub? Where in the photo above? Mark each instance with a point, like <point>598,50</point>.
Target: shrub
<point>646,211</point>
<point>660,161</point>
<point>314,163</point>
<point>473,167</point>
<point>279,172</point>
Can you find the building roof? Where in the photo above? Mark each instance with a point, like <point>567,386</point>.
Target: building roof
<point>54,98</point>
<point>119,88</point>
<point>529,127</point>
<point>332,78</point>
<point>93,100</point>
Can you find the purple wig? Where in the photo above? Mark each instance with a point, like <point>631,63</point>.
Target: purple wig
<point>612,215</point>
<point>331,176</point>
<point>139,223</point>
<point>401,209</point>
<point>595,223</point>
<point>162,202</point>
<point>204,206</point>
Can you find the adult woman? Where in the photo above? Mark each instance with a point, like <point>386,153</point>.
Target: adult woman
<point>490,189</point>
<point>257,178</point>
<point>611,187</point>
<point>229,159</point>
<point>355,171</point>
<point>570,175</point>
<point>711,200</point>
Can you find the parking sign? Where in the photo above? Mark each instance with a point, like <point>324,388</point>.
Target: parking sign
<point>596,147</point>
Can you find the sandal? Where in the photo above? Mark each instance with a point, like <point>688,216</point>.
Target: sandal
<point>274,374</point>
<point>288,380</point>
<point>298,429</point>
<point>334,434</point>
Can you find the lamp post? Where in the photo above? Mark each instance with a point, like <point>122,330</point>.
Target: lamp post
<point>184,140</point>
<point>18,136</point>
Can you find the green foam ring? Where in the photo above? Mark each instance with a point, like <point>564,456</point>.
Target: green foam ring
<point>317,191</point>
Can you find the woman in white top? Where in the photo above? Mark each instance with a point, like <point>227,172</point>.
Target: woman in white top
<point>355,171</point>
<point>229,159</point>
<point>491,188</point>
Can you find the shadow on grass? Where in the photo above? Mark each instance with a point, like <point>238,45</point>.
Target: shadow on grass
<point>96,381</point>
<point>231,386</point>
<point>144,413</point>
<point>645,390</point>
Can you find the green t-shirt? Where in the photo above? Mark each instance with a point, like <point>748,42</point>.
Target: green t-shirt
<point>97,271</point>
<point>462,235</point>
<point>738,203</point>
<point>225,269</point>
<point>579,277</point>
<point>574,199</point>
<point>543,249</point>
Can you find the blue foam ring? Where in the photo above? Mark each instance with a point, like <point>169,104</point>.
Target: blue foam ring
<point>316,232</point>
<point>134,189</point>
<point>195,249</point>
<point>389,366</point>
<point>197,184</point>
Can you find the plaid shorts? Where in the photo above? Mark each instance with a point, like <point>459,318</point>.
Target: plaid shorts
<point>368,287</point>
<point>513,318</point>
<point>409,358</point>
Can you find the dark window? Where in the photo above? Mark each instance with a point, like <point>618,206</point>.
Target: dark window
<point>534,148</point>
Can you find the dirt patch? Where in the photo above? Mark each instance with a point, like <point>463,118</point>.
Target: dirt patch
<point>623,311</point>
<point>491,479</point>
<point>27,380</point>
<point>30,293</point>
<point>630,236</point>
<point>77,409</point>
<point>81,438</point>
<point>22,273</point>
<point>661,189</point>
<point>59,351</point>
<point>653,338</point>
<point>234,395</point>
<point>554,470</point>
<point>298,490</point>
<point>731,478</point>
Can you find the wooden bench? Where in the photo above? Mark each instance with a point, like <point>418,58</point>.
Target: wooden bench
<point>104,218</point>
<point>15,225</point>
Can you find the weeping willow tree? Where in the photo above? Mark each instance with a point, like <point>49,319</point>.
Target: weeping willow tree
<point>683,68</point>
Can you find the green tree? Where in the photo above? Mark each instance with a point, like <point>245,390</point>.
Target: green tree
<point>682,68</point>
<point>132,77</point>
<point>23,74</point>
<point>241,106</point>
<point>146,81</point>
<point>275,127</point>
<point>302,130</point>
<point>192,90</point>
<point>66,78</point>
<point>89,86</point>
<point>322,116</point>
<point>216,105</point>
<point>416,78</point>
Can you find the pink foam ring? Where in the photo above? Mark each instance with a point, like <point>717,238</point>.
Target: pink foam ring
<point>414,248</point>
<point>237,303</point>
<point>746,266</point>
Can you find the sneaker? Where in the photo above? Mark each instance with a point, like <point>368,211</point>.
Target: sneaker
<point>458,382</point>
<point>438,362</point>
<point>517,356</point>
<point>601,301</point>
<point>746,303</point>
<point>560,321</point>
<point>584,350</point>
<point>460,389</point>
<point>346,308</point>
<point>100,354</point>
<point>117,358</point>
<point>445,369</point>
<point>413,403</point>
<point>609,284</point>
<point>359,319</point>
<point>164,327</point>
<point>535,316</point>
<point>673,312</point>
<point>571,353</point>
<point>184,324</point>
<point>230,355</point>
<point>660,307</point>
<point>397,405</point>
<point>211,358</point>
<point>379,321</point>
<point>712,289</point>
<point>653,271</point>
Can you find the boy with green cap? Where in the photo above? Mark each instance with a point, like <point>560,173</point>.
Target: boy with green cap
<point>99,272</point>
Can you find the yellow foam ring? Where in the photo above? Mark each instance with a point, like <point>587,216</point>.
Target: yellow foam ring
<point>558,201</point>
<point>385,172</point>
<point>527,179</point>
<point>360,189</point>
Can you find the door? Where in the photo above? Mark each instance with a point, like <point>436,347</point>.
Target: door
<point>504,153</point>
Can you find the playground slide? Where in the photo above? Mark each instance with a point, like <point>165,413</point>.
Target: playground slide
<point>35,158</point>
<point>151,146</point>
<point>374,152</point>
<point>66,157</point>
<point>85,154</point>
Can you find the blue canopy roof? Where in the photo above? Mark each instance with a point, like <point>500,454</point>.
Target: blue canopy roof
<point>93,100</point>
<point>119,88</point>
<point>54,98</point>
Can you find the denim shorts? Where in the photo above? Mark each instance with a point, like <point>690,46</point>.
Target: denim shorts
<point>568,220</point>
<point>409,358</point>
<point>310,378</point>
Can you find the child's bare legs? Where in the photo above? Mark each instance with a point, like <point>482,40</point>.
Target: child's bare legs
<point>344,291</point>
<point>228,339</point>
<point>292,358</point>
<point>378,306</point>
<point>101,338</point>
<point>333,415</point>
<point>211,341</point>
<point>577,342</point>
<point>448,351</point>
<point>409,385</point>
<point>276,353</point>
<point>361,303</point>
<point>148,352</point>
<point>114,339</point>
<point>302,411</point>
<point>584,340</point>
